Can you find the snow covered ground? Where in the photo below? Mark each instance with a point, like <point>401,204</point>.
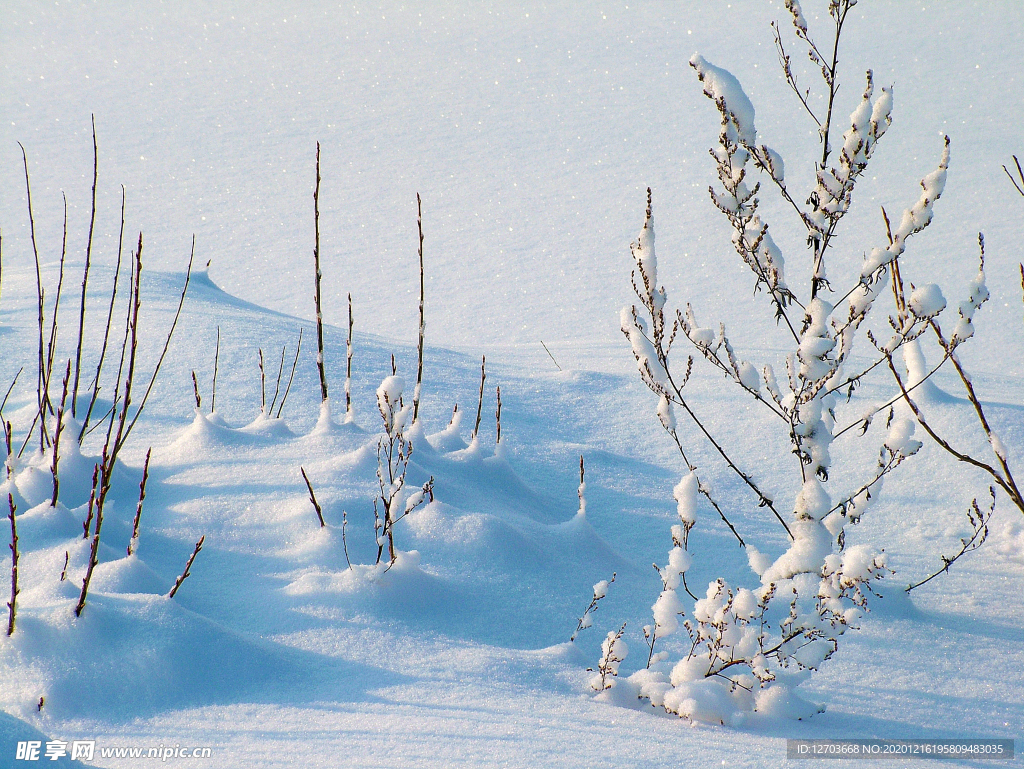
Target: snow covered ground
<point>532,133</point>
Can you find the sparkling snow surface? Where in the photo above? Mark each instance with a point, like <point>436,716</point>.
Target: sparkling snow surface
<point>532,132</point>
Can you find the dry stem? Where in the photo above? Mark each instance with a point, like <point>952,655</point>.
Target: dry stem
<point>316,295</point>
<point>312,498</point>
<point>134,542</point>
<point>185,574</point>
<point>85,273</point>
<point>12,607</point>
<point>419,346</point>
<point>480,399</point>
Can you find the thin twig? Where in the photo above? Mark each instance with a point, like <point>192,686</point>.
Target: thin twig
<point>348,363</point>
<point>133,543</point>
<point>344,540</point>
<point>316,295</point>
<point>106,333</point>
<point>185,574</point>
<point>291,376</point>
<point>1020,174</point>
<point>56,436</point>
<point>419,346</point>
<point>979,524</point>
<point>51,346</point>
<point>497,419</point>
<point>104,473</point>
<point>277,386</point>
<point>12,606</point>
<point>263,384</point>
<point>87,523</point>
<point>8,394</point>
<point>85,273</point>
<point>312,498</point>
<point>216,363</point>
<point>167,342</point>
<point>40,395</point>
<point>965,458</point>
<point>480,400</point>
<point>550,355</point>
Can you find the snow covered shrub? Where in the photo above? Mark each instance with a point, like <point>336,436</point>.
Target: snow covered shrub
<point>393,452</point>
<point>613,652</point>
<point>747,647</point>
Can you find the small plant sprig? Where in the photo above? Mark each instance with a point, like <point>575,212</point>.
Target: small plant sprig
<point>393,453</point>
<point>978,520</point>
<point>613,652</point>
<point>586,620</point>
